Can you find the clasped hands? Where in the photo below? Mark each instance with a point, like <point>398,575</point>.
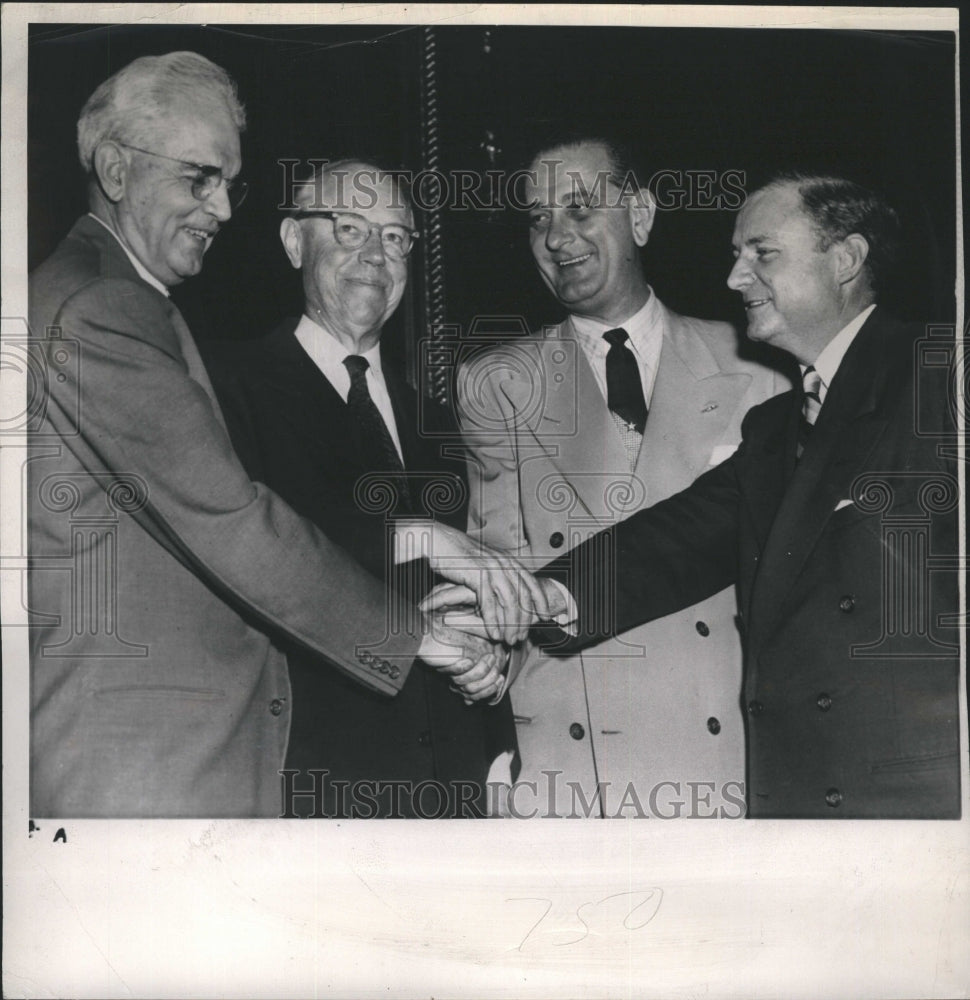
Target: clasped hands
<point>486,607</point>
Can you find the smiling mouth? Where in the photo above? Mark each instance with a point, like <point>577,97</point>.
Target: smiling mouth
<point>573,260</point>
<point>754,303</point>
<point>202,235</point>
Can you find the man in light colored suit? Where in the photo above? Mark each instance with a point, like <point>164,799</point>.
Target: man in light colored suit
<point>159,570</point>
<point>571,430</point>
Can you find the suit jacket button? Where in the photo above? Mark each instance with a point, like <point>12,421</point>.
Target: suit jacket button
<point>424,739</point>
<point>703,628</point>
<point>833,798</point>
<point>576,731</point>
<point>755,708</point>
<point>276,706</point>
<point>847,603</point>
<point>556,539</point>
<point>713,726</point>
<point>824,702</point>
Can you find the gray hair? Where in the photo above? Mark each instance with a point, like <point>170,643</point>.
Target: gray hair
<point>131,105</point>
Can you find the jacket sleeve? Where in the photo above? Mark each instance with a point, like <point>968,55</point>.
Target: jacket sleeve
<point>140,413</point>
<point>662,559</point>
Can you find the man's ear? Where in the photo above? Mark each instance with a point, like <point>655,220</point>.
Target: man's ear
<point>642,209</point>
<point>111,169</point>
<point>850,257</point>
<point>292,240</point>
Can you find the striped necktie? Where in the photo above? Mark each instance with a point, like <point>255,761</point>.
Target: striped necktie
<point>813,389</point>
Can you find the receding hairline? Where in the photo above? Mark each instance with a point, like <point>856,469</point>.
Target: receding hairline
<point>313,186</point>
<point>574,145</point>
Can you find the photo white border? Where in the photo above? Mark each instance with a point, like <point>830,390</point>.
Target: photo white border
<point>502,909</point>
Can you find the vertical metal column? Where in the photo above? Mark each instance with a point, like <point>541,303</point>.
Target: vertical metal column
<point>437,379</point>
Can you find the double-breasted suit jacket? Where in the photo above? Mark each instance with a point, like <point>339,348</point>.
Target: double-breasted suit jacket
<point>548,469</point>
<point>158,567</point>
<point>295,433</point>
<point>844,563</point>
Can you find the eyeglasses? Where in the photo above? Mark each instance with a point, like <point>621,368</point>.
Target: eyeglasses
<point>206,180</point>
<point>353,231</point>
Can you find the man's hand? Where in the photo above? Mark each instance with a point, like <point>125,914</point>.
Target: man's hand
<point>476,667</point>
<point>507,596</point>
<point>454,602</point>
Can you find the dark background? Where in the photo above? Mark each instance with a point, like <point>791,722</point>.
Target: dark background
<point>875,106</point>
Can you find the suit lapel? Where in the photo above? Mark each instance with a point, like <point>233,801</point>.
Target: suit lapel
<point>692,404</point>
<point>193,361</point>
<point>312,399</point>
<point>769,470</point>
<point>115,263</point>
<point>405,408</point>
<point>848,429</point>
<point>575,428</point>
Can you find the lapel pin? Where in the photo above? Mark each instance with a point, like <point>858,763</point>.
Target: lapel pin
<point>707,407</point>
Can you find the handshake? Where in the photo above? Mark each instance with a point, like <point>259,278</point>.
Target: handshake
<point>485,608</point>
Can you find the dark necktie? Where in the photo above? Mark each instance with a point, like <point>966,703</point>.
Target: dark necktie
<point>375,441</point>
<point>624,390</point>
<point>812,388</point>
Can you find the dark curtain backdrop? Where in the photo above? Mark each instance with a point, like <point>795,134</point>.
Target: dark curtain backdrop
<point>876,106</point>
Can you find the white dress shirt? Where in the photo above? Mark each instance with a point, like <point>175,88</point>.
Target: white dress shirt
<point>328,354</point>
<point>645,330</point>
<point>827,363</point>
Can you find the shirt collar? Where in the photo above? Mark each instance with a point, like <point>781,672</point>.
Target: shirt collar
<point>644,328</point>
<point>827,363</point>
<point>327,351</point>
<point>143,272</point>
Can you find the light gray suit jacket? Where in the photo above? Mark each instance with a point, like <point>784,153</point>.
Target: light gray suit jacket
<point>547,470</point>
<point>159,570</point>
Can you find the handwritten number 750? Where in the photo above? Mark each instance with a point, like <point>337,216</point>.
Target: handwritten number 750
<point>631,911</point>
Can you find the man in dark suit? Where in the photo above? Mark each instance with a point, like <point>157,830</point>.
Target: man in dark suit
<point>293,405</point>
<point>835,519</point>
<point>158,567</point>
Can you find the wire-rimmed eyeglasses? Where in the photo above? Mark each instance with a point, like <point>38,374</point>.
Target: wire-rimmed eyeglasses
<point>206,180</point>
<point>353,231</point>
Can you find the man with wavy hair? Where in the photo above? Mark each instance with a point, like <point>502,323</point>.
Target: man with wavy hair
<point>159,569</point>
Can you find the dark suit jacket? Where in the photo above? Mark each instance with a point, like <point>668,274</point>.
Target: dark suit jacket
<point>293,432</point>
<point>158,566</point>
<point>851,682</point>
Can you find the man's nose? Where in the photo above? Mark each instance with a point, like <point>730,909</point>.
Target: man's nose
<point>373,249</point>
<point>559,233</point>
<point>740,276</point>
<point>218,205</point>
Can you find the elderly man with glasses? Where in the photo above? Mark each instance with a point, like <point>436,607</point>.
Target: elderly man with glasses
<point>318,413</point>
<point>161,574</point>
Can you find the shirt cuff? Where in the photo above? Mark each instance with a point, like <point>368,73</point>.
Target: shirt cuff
<point>567,620</point>
<point>412,540</point>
